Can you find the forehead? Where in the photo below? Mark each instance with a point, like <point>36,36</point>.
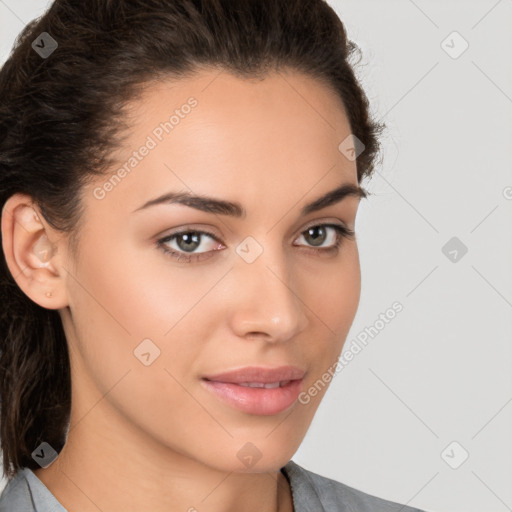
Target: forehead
<point>285,103</point>
<point>221,135</point>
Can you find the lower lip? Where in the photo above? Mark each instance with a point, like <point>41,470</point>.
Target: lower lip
<point>261,401</point>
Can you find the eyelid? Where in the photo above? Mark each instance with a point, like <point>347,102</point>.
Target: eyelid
<point>325,222</point>
<point>187,228</point>
<point>206,230</point>
<point>162,240</point>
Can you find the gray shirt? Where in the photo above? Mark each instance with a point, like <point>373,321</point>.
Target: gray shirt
<point>310,492</point>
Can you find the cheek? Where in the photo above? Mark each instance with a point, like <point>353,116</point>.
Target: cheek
<point>333,295</point>
<point>141,294</point>
<point>117,306</point>
<point>117,303</point>
<point>333,299</point>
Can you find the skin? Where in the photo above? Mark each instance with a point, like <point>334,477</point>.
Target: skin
<point>152,437</point>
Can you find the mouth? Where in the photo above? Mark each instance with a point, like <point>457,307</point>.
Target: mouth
<point>257,390</point>
<point>267,385</point>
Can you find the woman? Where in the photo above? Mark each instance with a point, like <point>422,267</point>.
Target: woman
<point>179,186</point>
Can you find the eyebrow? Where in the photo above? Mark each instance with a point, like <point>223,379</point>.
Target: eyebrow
<point>234,209</point>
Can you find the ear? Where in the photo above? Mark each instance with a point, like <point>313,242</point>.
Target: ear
<point>31,252</point>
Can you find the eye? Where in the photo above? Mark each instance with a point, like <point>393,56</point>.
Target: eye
<point>183,245</point>
<point>315,236</point>
<point>187,242</point>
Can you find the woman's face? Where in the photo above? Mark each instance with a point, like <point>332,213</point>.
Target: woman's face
<point>151,317</point>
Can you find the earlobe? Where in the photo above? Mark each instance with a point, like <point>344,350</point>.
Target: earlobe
<point>31,256</point>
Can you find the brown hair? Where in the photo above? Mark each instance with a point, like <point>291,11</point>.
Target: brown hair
<point>61,117</point>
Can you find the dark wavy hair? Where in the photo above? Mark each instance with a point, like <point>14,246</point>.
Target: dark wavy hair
<point>61,116</point>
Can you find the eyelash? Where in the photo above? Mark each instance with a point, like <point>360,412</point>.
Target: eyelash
<point>341,231</point>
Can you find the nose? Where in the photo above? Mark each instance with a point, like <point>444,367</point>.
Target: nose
<point>268,304</point>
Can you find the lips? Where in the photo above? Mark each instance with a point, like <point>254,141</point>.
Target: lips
<point>257,390</point>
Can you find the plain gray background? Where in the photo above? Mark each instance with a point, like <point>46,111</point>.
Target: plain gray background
<point>434,385</point>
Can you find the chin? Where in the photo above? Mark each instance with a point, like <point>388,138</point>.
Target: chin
<point>258,456</point>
